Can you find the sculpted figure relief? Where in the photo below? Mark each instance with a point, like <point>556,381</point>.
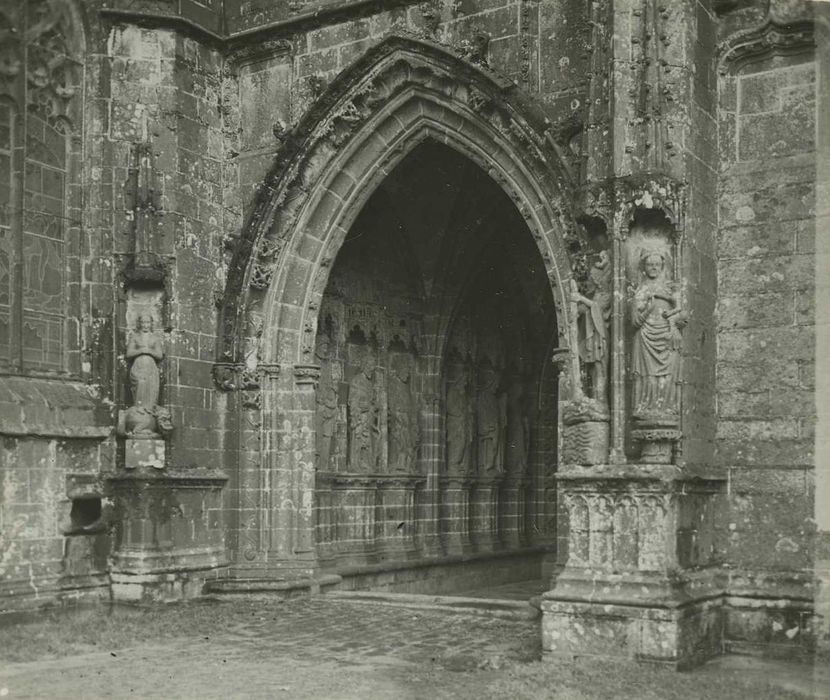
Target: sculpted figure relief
<point>402,407</point>
<point>518,426</point>
<point>144,348</point>
<point>490,410</point>
<point>363,417</point>
<point>594,317</point>
<point>459,418</point>
<point>327,403</point>
<point>655,353</point>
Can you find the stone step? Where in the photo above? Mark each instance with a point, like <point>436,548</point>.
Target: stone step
<point>493,607</point>
<point>279,588</point>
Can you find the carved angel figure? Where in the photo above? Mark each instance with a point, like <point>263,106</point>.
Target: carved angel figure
<point>144,348</point>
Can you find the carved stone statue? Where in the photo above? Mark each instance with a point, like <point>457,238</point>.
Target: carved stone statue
<point>655,353</point>
<point>363,418</point>
<point>459,418</point>
<point>144,348</point>
<point>402,407</point>
<point>327,404</point>
<point>490,414</point>
<point>518,427</point>
<point>594,317</point>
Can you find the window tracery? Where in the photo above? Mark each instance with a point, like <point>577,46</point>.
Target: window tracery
<point>40,118</point>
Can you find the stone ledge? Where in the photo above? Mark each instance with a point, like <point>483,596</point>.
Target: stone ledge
<point>422,563</point>
<point>52,407</point>
<point>170,478</point>
<point>636,472</point>
<point>281,588</point>
<point>490,607</point>
<point>634,589</point>
<point>140,561</point>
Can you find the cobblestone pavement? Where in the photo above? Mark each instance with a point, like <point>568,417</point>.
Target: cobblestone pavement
<point>337,649</point>
<point>303,648</point>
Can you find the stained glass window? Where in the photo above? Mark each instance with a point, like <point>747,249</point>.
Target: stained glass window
<point>39,115</point>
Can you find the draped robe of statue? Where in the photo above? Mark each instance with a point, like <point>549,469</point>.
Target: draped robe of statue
<point>594,316</point>
<point>655,352</point>
<point>518,427</point>
<point>327,402</point>
<point>490,424</point>
<point>144,348</point>
<point>364,425</point>
<point>459,420</point>
<point>402,408</point>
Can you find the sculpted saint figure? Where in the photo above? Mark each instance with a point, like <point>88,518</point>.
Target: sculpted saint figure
<point>655,352</point>
<point>459,419</point>
<point>363,417</point>
<point>518,427</point>
<point>144,348</point>
<point>594,316</point>
<point>327,401</point>
<point>402,407</point>
<point>491,422</point>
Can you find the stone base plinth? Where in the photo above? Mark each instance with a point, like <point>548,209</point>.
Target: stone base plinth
<point>681,637</point>
<point>144,452</point>
<point>168,533</point>
<point>158,587</point>
<point>657,444</point>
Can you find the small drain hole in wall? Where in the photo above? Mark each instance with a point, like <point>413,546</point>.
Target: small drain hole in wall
<point>85,516</point>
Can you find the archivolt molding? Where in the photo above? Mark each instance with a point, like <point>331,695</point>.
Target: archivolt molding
<point>399,94</point>
<point>774,38</point>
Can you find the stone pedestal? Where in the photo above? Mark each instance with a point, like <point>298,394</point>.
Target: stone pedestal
<point>657,440</point>
<point>485,513</point>
<point>585,432</point>
<point>455,515</point>
<point>144,452</point>
<point>638,575</point>
<point>168,535</point>
<point>512,512</point>
<point>397,516</point>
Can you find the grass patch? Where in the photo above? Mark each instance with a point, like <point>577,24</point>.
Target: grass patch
<point>60,633</point>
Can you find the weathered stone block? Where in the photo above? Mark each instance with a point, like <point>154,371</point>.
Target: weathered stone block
<point>144,453</point>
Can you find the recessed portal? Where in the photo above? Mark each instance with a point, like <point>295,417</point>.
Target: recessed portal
<point>436,403</point>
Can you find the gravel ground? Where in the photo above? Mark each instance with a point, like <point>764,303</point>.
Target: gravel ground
<point>319,648</point>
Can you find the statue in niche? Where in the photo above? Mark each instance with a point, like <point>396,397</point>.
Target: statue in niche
<point>459,418</point>
<point>490,421</point>
<point>327,403</point>
<point>363,417</point>
<point>518,426</point>
<point>594,319</point>
<point>144,348</point>
<point>655,353</point>
<point>402,407</point>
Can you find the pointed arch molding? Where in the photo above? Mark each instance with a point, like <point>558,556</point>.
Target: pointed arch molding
<point>399,94</point>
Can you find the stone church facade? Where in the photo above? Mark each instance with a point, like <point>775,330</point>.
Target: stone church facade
<point>377,294</point>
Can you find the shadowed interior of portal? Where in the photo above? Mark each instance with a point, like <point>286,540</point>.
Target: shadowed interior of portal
<point>436,406</point>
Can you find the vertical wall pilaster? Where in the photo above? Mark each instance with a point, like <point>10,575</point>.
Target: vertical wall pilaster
<point>635,522</point>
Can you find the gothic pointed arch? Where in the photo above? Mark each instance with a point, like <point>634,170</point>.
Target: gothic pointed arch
<point>401,93</point>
